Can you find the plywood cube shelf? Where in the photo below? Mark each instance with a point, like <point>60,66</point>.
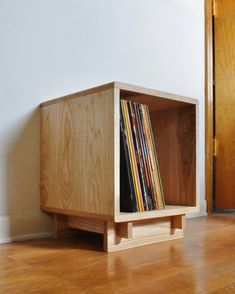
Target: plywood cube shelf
<point>80,164</point>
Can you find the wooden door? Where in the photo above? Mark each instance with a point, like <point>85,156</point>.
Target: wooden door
<point>224,53</point>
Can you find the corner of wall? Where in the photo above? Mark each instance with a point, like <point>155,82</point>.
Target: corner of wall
<point>202,210</point>
<point>19,227</point>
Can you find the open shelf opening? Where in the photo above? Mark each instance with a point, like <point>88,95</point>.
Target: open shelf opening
<point>174,129</point>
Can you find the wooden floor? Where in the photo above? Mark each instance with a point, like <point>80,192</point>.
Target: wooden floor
<point>203,262</point>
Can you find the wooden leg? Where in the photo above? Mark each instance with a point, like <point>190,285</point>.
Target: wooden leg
<point>178,222</point>
<point>61,228</point>
<point>125,230</point>
<point>109,235</point>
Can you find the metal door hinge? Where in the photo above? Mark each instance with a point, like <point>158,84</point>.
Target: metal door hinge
<point>215,147</point>
<point>214,8</point>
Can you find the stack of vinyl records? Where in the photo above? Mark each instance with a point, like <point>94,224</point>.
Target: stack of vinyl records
<point>141,186</point>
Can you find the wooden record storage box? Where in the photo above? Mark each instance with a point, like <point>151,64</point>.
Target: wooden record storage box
<point>80,164</point>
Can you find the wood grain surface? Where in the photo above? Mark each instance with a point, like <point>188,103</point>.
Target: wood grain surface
<point>175,137</point>
<point>154,103</point>
<point>86,224</point>
<point>77,154</point>
<point>202,262</point>
<point>143,232</point>
<point>225,103</point>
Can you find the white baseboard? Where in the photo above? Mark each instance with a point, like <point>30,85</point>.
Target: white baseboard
<point>26,237</point>
<point>202,210</point>
<point>17,227</point>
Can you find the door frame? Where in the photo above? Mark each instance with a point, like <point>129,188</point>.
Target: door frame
<point>209,97</point>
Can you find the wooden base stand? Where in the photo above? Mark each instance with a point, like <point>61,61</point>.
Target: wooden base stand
<point>119,236</point>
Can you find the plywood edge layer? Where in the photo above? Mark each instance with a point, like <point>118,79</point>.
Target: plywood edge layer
<point>147,91</point>
<point>78,94</point>
<point>70,212</point>
<point>125,87</point>
<point>155,214</point>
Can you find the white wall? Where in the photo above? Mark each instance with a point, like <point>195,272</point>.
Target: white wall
<point>50,48</point>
